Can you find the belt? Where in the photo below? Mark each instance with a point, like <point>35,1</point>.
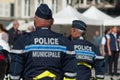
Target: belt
<point>85,64</point>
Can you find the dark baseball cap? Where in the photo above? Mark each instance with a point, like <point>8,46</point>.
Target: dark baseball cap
<point>79,25</point>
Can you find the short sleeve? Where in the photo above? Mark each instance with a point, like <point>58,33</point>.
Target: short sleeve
<point>108,36</point>
<point>103,41</point>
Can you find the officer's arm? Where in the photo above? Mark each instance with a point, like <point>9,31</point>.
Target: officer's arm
<point>69,63</point>
<point>69,66</point>
<point>108,46</point>
<point>99,65</point>
<point>17,59</point>
<point>16,66</point>
<point>99,69</point>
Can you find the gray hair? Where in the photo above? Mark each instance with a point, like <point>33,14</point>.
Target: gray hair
<point>80,32</point>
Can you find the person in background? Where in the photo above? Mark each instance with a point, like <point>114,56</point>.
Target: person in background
<point>4,58</point>
<point>65,34</point>
<point>104,47</point>
<point>3,33</point>
<point>43,54</point>
<point>113,50</point>
<point>31,28</point>
<point>14,33</point>
<point>97,39</point>
<point>118,32</point>
<point>87,55</point>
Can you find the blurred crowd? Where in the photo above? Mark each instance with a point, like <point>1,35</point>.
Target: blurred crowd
<point>12,35</point>
<point>109,45</point>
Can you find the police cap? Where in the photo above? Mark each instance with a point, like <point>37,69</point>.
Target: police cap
<point>44,12</point>
<point>79,25</point>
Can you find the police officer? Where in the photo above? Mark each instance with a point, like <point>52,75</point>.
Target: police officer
<point>43,54</point>
<point>87,54</point>
<point>4,58</point>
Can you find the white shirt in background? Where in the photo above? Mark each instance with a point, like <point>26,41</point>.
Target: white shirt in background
<point>4,45</point>
<point>103,41</point>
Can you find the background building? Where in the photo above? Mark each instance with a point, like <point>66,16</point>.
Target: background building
<point>26,8</point>
<point>6,8</point>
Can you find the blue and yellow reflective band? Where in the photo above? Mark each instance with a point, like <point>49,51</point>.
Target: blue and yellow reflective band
<point>69,78</point>
<point>85,64</point>
<point>45,74</point>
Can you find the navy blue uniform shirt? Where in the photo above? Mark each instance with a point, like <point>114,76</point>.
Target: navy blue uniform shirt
<point>40,51</point>
<point>88,55</point>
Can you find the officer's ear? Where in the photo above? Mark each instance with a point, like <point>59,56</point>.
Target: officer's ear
<point>74,32</point>
<point>71,31</point>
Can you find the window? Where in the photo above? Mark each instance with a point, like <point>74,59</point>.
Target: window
<point>54,5</point>
<point>25,12</point>
<point>27,8</point>
<point>53,2</point>
<point>1,9</point>
<point>4,10</point>
<point>40,2</point>
<point>77,2</point>
<point>12,9</point>
<point>82,1</point>
<point>69,2</point>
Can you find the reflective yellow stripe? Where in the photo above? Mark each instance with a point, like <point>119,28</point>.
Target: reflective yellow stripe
<point>45,74</point>
<point>8,78</point>
<point>85,64</point>
<point>69,78</point>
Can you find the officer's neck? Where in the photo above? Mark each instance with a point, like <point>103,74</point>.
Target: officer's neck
<point>43,28</point>
<point>74,38</point>
<point>81,38</point>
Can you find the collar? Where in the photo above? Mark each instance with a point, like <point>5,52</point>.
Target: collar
<point>114,33</point>
<point>42,28</point>
<point>81,38</point>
